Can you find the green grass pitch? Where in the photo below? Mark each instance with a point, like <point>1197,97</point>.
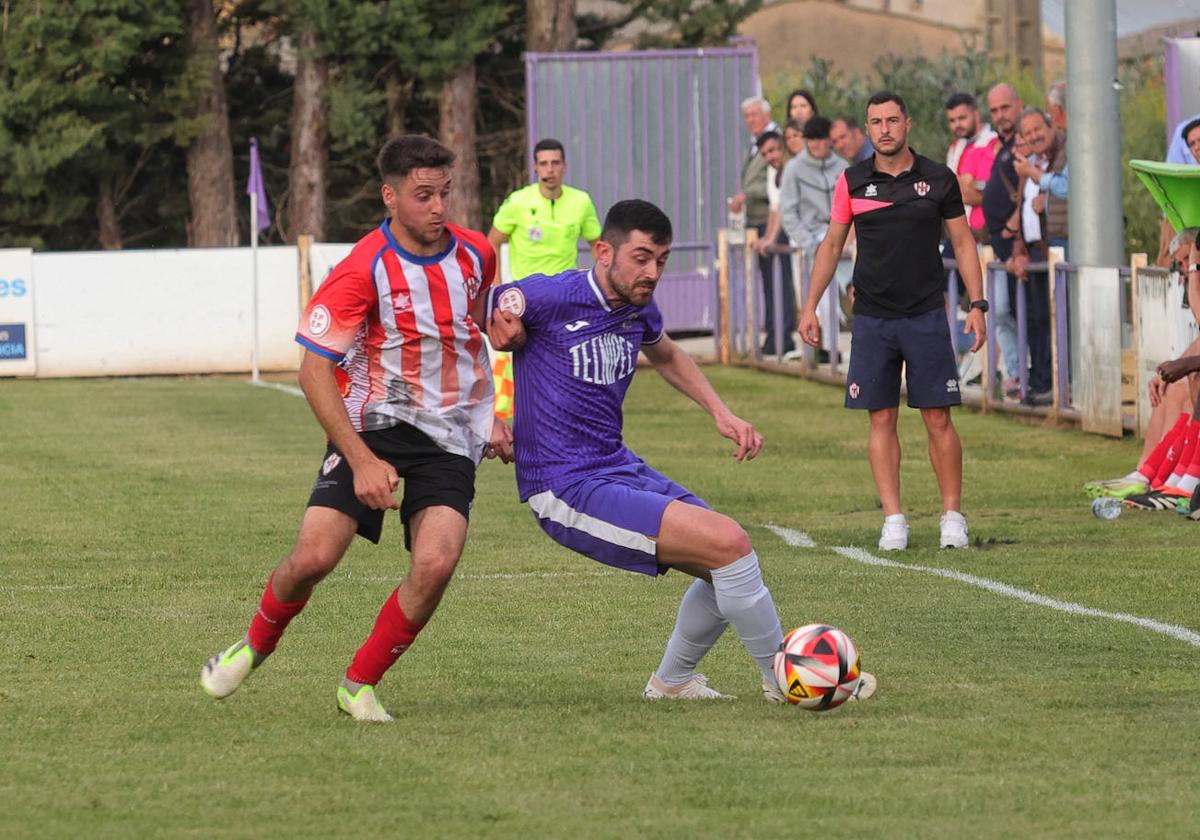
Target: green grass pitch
<point>139,519</point>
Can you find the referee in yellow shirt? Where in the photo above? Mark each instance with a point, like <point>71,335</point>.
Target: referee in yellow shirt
<point>542,224</point>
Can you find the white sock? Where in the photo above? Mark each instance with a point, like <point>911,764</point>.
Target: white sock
<point>1137,476</point>
<point>1173,480</point>
<point>895,519</point>
<point>1188,483</point>
<point>747,604</point>
<point>697,628</point>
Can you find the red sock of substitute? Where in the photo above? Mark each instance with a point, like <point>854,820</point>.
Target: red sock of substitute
<point>393,634</point>
<point>1186,453</point>
<point>1171,459</point>
<point>1149,468</point>
<point>271,620</point>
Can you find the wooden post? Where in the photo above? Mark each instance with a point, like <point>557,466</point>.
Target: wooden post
<point>1053,258</point>
<point>748,254</point>
<point>304,251</point>
<point>723,295</point>
<point>1136,263</point>
<point>304,247</point>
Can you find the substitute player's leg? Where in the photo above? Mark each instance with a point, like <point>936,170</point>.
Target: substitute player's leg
<point>437,535</point>
<point>695,538</point>
<point>945,453</point>
<point>325,534</point>
<point>883,452</point>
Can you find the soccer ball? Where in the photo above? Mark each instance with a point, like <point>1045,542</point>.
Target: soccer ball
<point>817,667</point>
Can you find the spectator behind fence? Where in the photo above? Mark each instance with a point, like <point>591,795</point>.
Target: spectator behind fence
<point>849,141</point>
<point>1190,132</point>
<point>793,137</point>
<point>999,201</point>
<point>1042,221</point>
<point>801,107</point>
<point>756,112</point>
<point>806,199</point>
<point>970,156</point>
<point>1182,150</point>
<point>774,241</point>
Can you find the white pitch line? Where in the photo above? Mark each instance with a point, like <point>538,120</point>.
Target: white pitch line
<point>279,386</point>
<point>799,539</point>
<point>1175,631</point>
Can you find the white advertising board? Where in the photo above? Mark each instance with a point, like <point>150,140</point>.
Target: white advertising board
<point>18,355</point>
<point>119,313</point>
<point>1098,391</point>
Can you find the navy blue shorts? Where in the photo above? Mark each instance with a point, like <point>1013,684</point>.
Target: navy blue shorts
<point>612,516</point>
<point>920,343</point>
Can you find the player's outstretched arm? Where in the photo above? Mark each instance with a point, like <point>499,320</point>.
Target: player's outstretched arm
<point>374,480</point>
<point>824,265</point>
<point>679,369</point>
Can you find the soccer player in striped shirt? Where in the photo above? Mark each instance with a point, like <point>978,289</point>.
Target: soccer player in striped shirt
<point>574,361</point>
<point>397,374</point>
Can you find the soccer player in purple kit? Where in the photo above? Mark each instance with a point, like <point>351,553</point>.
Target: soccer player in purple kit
<point>576,353</point>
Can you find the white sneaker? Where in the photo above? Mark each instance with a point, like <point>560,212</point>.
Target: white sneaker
<point>954,530</point>
<point>361,704</point>
<point>696,688</point>
<point>225,672</point>
<point>894,536</point>
<point>772,693</point>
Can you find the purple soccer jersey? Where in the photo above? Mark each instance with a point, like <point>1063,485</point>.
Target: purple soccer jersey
<point>571,376</point>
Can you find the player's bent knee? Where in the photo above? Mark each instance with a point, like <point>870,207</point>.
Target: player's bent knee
<point>730,541</point>
<point>311,564</point>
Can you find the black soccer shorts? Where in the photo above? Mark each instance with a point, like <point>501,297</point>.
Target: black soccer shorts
<point>431,475</point>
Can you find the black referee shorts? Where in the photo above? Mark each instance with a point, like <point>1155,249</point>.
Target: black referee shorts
<point>431,475</point>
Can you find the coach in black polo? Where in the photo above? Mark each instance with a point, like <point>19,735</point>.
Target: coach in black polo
<point>898,202</point>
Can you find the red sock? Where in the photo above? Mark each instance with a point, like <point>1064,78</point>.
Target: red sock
<point>1194,467</point>
<point>1149,468</point>
<point>1187,453</point>
<point>271,620</point>
<point>1170,459</point>
<point>393,634</point>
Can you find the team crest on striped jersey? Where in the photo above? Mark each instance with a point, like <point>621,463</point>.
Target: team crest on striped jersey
<point>403,302</point>
<point>318,320</point>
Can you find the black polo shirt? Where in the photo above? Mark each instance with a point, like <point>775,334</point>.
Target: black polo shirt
<point>898,221</point>
<point>1000,193</point>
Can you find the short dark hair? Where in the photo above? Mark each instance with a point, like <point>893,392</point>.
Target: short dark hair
<point>851,123</point>
<point>770,134</point>
<point>888,96</point>
<point>402,155</point>
<point>624,217</point>
<point>1189,128</point>
<point>959,99</point>
<point>817,128</point>
<point>794,125</point>
<point>549,144</point>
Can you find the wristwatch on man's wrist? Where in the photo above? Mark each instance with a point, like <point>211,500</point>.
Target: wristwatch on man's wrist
<point>981,305</point>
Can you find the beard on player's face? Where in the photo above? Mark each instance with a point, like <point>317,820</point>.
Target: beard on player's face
<point>630,282</point>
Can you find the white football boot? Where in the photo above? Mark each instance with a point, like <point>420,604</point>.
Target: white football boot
<point>954,530</point>
<point>696,688</point>
<point>225,672</point>
<point>894,536</point>
<point>772,693</point>
<point>360,703</point>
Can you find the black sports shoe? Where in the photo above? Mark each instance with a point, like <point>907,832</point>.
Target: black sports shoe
<point>1154,500</point>
<point>1194,505</point>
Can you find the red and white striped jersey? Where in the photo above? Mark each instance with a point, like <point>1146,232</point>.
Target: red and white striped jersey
<point>400,328</point>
